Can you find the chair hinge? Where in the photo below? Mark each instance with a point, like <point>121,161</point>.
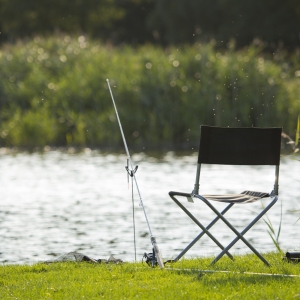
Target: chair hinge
<point>193,193</point>
<point>190,198</point>
<point>273,193</point>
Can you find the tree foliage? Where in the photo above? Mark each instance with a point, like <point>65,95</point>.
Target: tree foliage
<point>164,22</point>
<point>24,18</point>
<point>272,21</point>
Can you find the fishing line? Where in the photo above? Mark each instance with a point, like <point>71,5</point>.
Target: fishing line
<point>132,198</point>
<point>232,272</point>
<point>133,220</point>
<point>132,172</point>
<point>133,217</point>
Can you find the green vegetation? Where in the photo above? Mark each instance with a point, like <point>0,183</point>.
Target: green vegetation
<point>53,92</point>
<point>162,22</point>
<point>272,232</point>
<point>297,132</point>
<point>136,280</point>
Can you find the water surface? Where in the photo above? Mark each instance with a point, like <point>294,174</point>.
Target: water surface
<point>57,202</point>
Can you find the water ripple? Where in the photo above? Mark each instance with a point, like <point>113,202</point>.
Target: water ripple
<point>55,202</point>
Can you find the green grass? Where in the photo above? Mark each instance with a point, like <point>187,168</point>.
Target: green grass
<point>138,281</point>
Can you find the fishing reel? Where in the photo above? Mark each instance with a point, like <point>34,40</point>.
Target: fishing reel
<point>150,259</point>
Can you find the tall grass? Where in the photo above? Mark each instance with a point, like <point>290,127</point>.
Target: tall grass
<point>274,235</point>
<point>53,91</point>
<point>297,133</point>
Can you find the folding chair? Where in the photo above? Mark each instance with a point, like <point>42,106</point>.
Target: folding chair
<point>233,146</point>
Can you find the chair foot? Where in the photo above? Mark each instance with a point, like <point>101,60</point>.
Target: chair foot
<point>170,261</point>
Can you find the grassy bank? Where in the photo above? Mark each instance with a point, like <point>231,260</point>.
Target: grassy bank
<point>53,92</point>
<point>136,280</point>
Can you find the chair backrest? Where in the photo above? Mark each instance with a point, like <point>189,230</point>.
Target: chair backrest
<point>239,146</point>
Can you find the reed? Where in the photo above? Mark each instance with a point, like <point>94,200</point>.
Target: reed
<point>274,235</point>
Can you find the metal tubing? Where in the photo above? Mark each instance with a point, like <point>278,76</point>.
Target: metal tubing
<point>276,180</point>
<point>197,180</point>
<point>202,233</point>
<point>200,225</point>
<point>240,235</point>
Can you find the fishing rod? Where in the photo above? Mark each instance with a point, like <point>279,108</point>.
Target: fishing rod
<point>131,172</point>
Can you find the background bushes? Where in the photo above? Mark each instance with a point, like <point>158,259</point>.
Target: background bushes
<point>53,91</point>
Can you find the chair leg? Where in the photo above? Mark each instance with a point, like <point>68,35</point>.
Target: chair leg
<point>239,235</point>
<point>204,230</point>
<point>198,237</point>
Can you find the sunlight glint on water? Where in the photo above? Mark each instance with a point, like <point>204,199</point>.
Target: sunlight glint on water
<point>55,203</point>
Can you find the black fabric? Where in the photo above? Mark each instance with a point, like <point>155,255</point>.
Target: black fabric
<point>256,194</point>
<point>239,146</point>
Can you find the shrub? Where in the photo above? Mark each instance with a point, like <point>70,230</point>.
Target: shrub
<point>54,91</point>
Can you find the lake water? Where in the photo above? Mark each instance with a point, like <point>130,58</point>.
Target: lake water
<point>57,202</point>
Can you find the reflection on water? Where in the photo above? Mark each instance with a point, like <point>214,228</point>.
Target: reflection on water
<point>55,202</point>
